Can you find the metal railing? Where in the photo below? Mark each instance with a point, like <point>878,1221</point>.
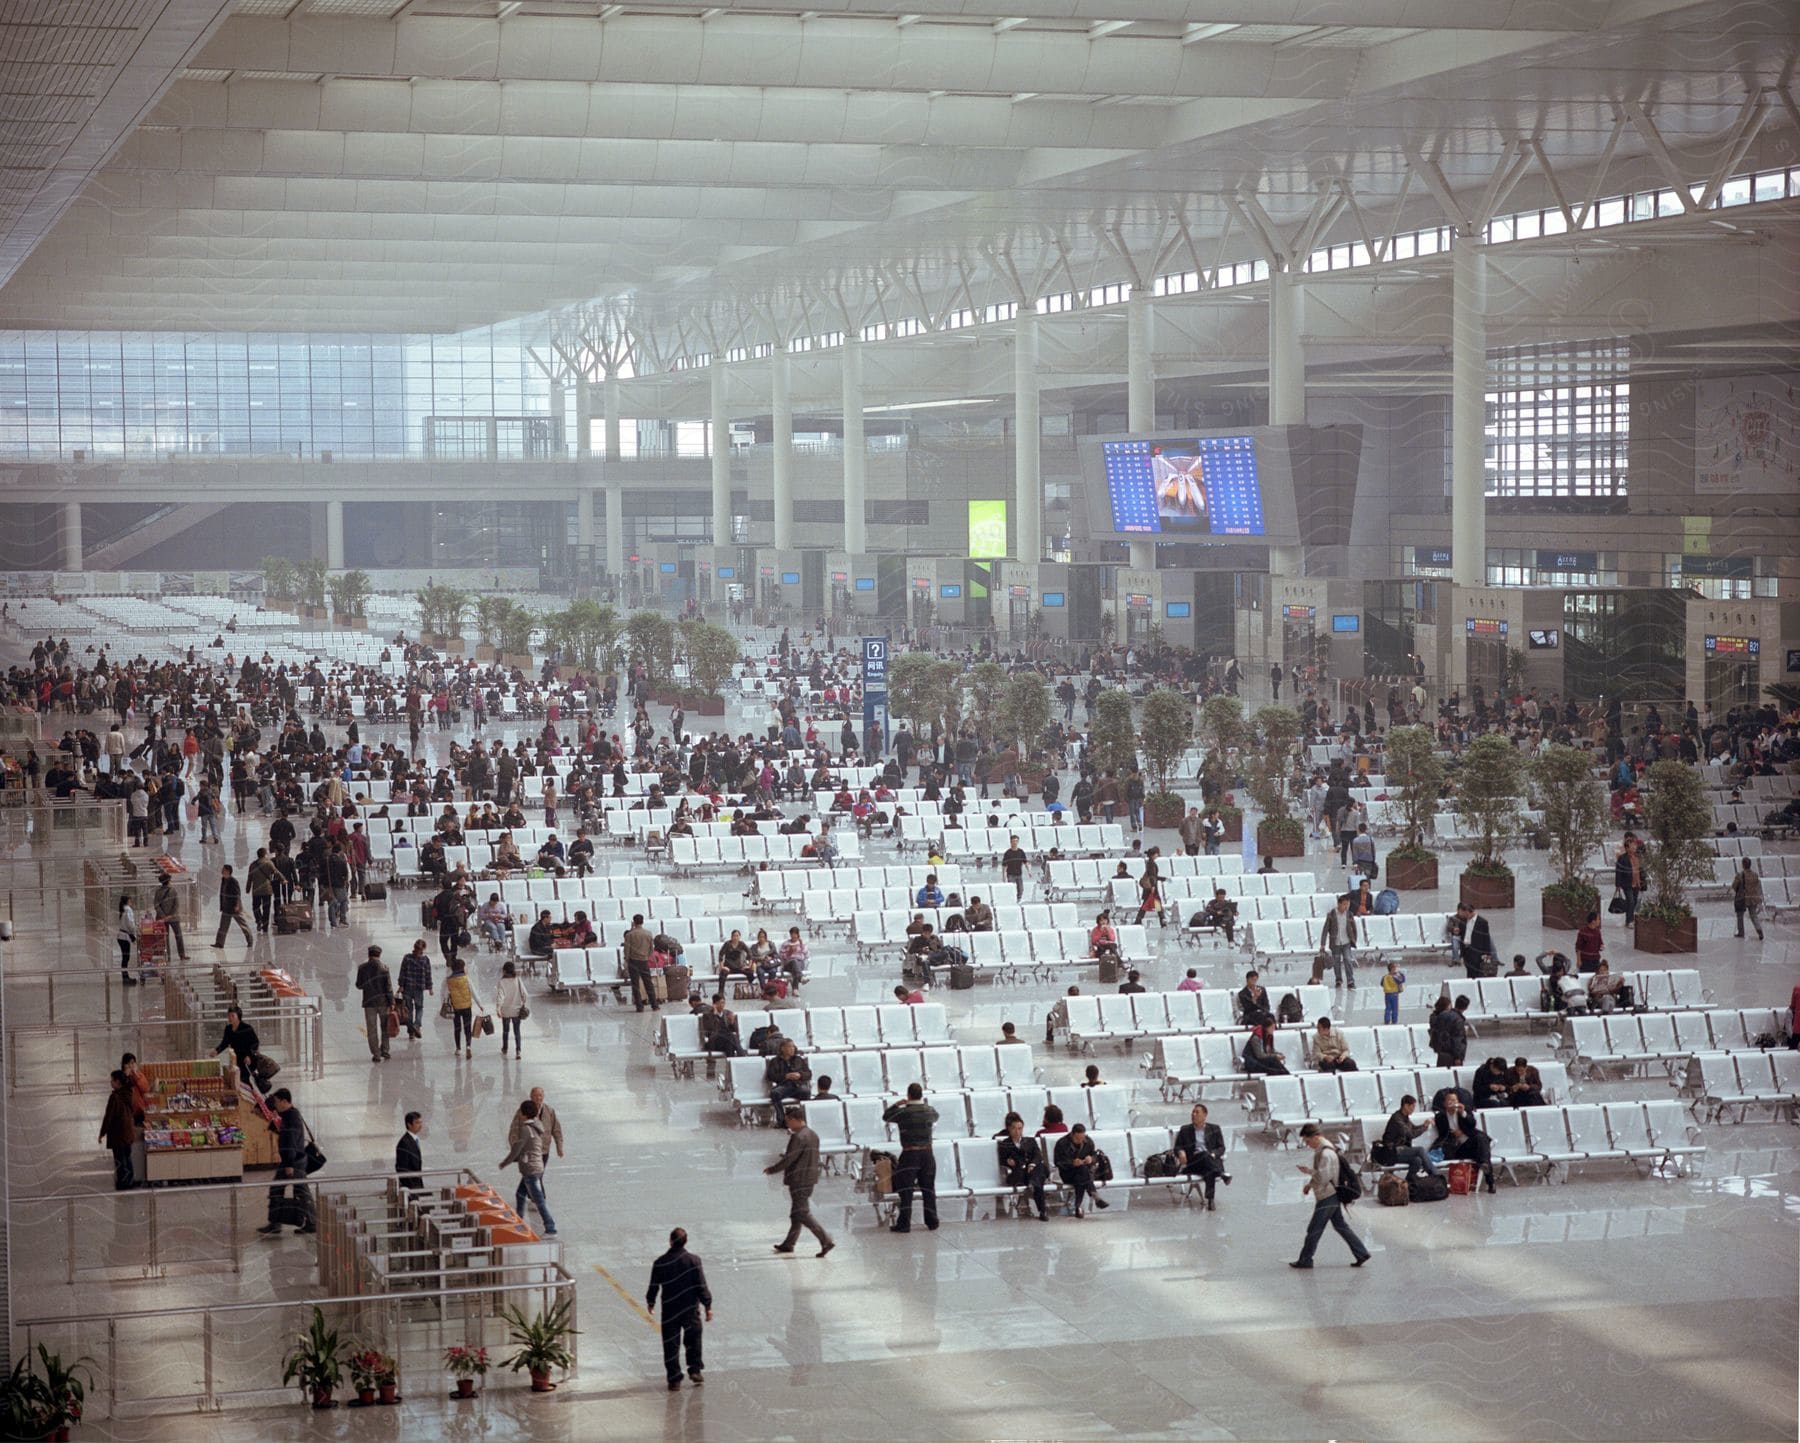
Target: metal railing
<point>202,1359</point>
<point>157,1232</point>
<point>54,1061</point>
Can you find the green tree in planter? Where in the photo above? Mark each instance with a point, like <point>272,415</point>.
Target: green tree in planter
<point>1222,732</point>
<point>278,581</point>
<point>513,634</point>
<point>984,686</point>
<point>1112,740</point>
<point>713,654</point>
<point>1487,799</point>
<point>1025,712</point>
<point>925,691</point>
<point>1415,776</point>
<point>650,640</point>
<point>490,616</point>
<point>1678,825</point>
<point>453,611</point>
<point>1277,729</point>
<point>1576,820</point>
<point>310,576</point>
<point>1166,732</point>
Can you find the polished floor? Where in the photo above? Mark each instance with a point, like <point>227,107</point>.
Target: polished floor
<point>1611,1306</point>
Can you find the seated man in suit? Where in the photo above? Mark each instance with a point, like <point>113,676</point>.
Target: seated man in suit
<point>1253,1002</point>
<point>1200,1151</point>
<point>1399,1142</point>
<point>1022,1162</point>
<point>1076,1161</point>
<point>1457,1136</point>
<point>719,1029</point>
<point>788,1074</point>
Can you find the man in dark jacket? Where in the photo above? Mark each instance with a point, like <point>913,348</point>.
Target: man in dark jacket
<point>1399,1142</point>
<point>719,1029</point>
<point>1022,1162</point>
<point>290,1143</point>
<point>681,1280</point>
<point>1453,1110</point>
<point>231,908</point>
<point>916,1169</point>
<point>1253,1002</point>
<point>1476,940</point>
<point>376,984</point>
<point>409,1161</point>
<point>788,1074</point>
<point>799,1169</point>
<point>1200,1151</point>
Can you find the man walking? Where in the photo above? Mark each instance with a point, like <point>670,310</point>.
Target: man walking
<point>528,1151</point>
<point>547,1121</point>
<point>415,982</point>
<point>799,1169</point>
<point>261,878</point>
<point>291,1147</point>
<point>376,984</point>
<point>916,1169</point>
<point>231,908</point>
<point>167,907</point>
<point>1328,1204</point>
<point>1337,938</point>
<point>1747,898</point>
<point>681,1280</point>
<point>334,879</point>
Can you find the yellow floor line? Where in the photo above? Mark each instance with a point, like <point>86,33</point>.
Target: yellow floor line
<point>630,1301</point>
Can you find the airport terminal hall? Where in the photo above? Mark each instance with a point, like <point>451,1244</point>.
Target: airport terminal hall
<point>1076,720</point>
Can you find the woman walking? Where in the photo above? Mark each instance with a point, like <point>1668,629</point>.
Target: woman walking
<point>510,1003</point>
<point>127,934</point>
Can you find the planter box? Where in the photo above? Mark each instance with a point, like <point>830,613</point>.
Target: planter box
<point>1234,825</point>
<point>1163,814</point>
<point>709,706</point>
<point>1650,935</point>
<point>1404,875</point>
<point>1284,845</point>
<point>518,661</point>
<point>484,652</point>
<point>1486,894</point>
<point>1560,916</point>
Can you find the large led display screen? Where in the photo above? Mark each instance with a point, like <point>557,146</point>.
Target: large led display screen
<point>987,530</point>
<point>1198,486</point>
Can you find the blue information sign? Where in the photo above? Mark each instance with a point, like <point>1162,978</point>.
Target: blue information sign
<point>875,687</point>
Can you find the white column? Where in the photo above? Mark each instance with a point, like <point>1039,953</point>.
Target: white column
<point>856,457</point>
<point>1028,479</point>
<point>781,411</point>
<point>1287,358</point>
<point>334,535</point>
<point>71,536</point>
<point>584,515</point>
<point>615,530</point>
<point>721,455</point>
<point>1140,393</point>
<point>584,418</point>
<point>1468,412</point>
<point>612,402</point>
<point>559,418</point>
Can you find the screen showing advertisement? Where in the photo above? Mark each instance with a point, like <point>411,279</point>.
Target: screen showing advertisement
<point>865,583</point>
<point>1346,622</point>
<point>1203,486</point>
<point>1178,610</point>
<point>987,530</point>
<point>1053,598</point>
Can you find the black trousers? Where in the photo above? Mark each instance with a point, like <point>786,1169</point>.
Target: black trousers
<point>916,1171</point>
<point>683,1328</point>
<point>1205,1167</point>
<point>642,989</point>
<point>262,905</point>
<point>1032,1180</point>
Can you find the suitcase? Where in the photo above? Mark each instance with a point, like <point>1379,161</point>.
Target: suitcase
<point>291,917</point>
<point>962,977</point>
<point>1392,1192</point>
<point>1462,1178</point>
<point>1428,1189</point>
<point>428,914</point>
<point>1109,969</point>
<point>678,980</point>
<point>375,892</point>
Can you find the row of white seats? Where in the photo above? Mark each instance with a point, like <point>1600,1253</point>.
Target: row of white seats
<point>874,931</point>
<point>1334,1098</point>
<point>1239,886</point>
<point>1129,1016</point>
<point>1644,1134</point>
<point>1676,989</point>
<point>853,1124</point>
<point>888,1072</point>
<point>1400,934</point>
<point>890,1024</point>
<point>1637,1040</point>
<point>1095,874</point>
<point>985,844</point>
<point>692,852</point>
<point>827,907</point>
<point>1720,1081</point>
<point>636,884</point>
<point>617,912</point>
<point>785,884</point>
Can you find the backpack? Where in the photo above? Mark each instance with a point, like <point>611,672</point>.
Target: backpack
<point>952,954</point>
<point>1289,1008</point>
<point>1427,1189</point>
<point>1349,1187</point>
<point>1387,902</point>
<point>1103,1169</point>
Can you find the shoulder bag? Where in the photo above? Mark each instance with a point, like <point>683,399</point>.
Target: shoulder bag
<point>315,1156</point>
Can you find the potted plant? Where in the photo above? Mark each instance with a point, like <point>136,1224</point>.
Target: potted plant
<point>316,1361</point>
<point>1164,734</point>
<point>1576,820</point>
<point>372,1373</point>
<point>278,581</point>
<point>713,655</point>
<point>1222,733</point>
<point>490,616</point>
<point>540,1343</point>
<point>455,607</point>
<point>27,1409</point>
<point>66,1386</point>
<point>1024,714</point>
<point>924,691</point>
<point>516,625</point>
<point>1678,828</point>
<point>650,642</point>
<point>1415,779</point>
<point>466,1365</point>
<point>984,684</point>
<point>1487,799</point>
<point>309,578</point>
<point>1112,739</point>
<point>1279,834</point>
<point>349,591</point>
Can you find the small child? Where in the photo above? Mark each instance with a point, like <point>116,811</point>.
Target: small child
<point>1393,983</point>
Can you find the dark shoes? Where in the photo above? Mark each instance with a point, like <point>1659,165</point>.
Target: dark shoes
<point>824,1248</point>
<point>1299,1265</point>
<point>1101,1202</point>
<point>783,1249</point>
<point>269,1230</point>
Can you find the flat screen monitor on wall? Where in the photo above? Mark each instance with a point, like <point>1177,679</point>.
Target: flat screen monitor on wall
<point>987,530</point>
<point>1346,622</point>
<point>1053,598</point>
<point>1183,487</point>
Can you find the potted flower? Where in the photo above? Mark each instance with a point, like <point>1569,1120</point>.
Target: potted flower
<point>1279,834</point>
<point>541,1343</point>
<point>1415,778</point>
<point>1576,820</point>
<point>316,1361</point>
<point>372,1372</point>
<point>65,1385</point>
<point>27,1409</point>
<point>466,1365</point>
<point>1222,732</point>
<point>1487,799</point>
<point>1678,828</point>
<point>1164,734</point>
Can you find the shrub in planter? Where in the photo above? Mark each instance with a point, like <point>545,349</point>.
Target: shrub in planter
<point>1415,777</point>
<point>1164,734</point>
<point>540,1343</point>
<point>465,1365</point>
<point>1280,837</point>
<point>1277,728</point>
<point>316,1361</point>
<point>1678,828</point>
<point>1576,820</point>
<point>1112,741</point>
<point>1222,732</point>
<point>1487,799</point>
<point>1024,713</point>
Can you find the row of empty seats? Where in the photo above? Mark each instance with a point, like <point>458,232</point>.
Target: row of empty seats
<point>1402,934</point>
<point>790,884</point>
<point>1639,1040</point>
<point>1128,1017</point>
<point>827,907</point>
<point>581,891</point>
<point>888,1072</point>
<point>1721,1081</point>
<point>985,844</point>
<point>1094,875</point>
<point>691,853</point>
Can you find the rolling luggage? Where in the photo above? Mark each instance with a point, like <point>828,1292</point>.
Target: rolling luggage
<point>962,977</point>
<point>291,917</point>
<point>375,892</point>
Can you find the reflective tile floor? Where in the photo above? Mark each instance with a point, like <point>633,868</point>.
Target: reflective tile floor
<point>1610,1306</point>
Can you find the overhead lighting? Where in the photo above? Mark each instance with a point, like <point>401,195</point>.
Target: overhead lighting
<point>932,405</point>
<point>1012,22</point>
<point>1205,32</point>
<point>902,21</point>
<point>1107,27</point>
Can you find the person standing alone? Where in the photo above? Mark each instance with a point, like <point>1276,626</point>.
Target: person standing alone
<point>681,1279</point>
<point>916,1169</point>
